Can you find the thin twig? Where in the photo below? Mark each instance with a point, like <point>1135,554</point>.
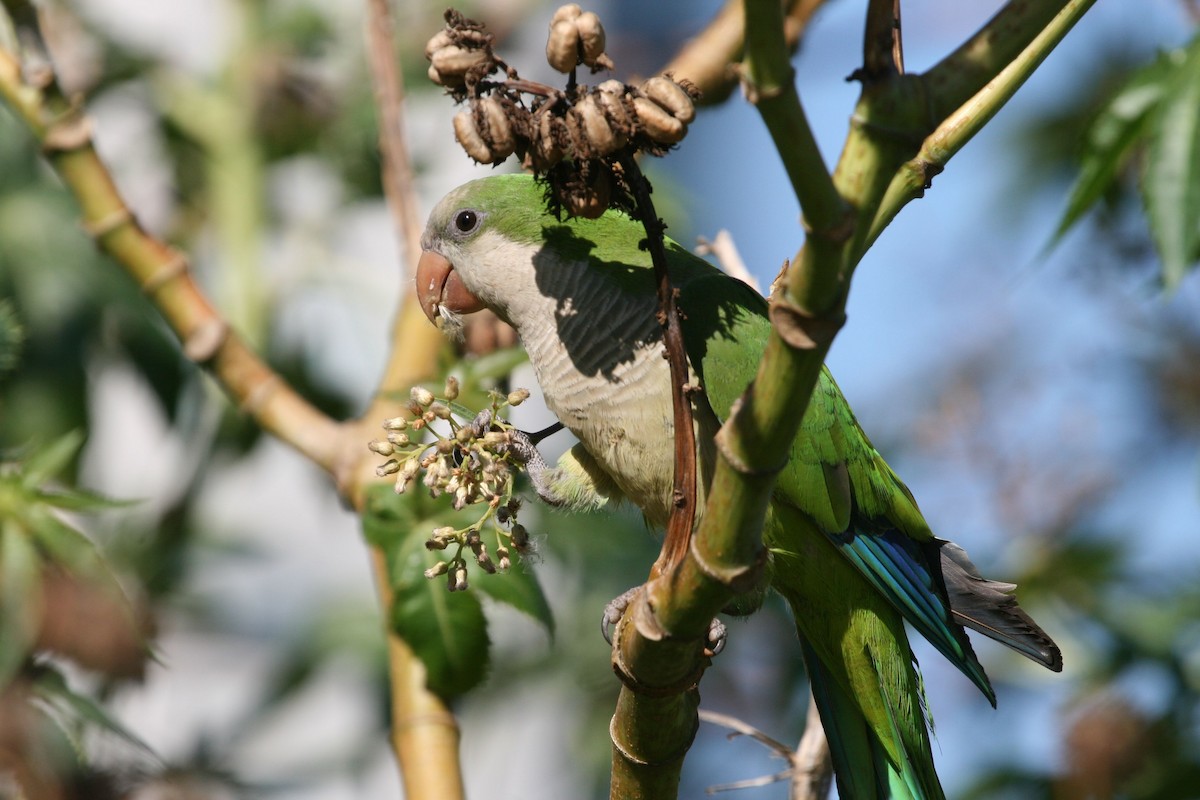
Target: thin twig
<point>722,247</point>
<point>741,728</point>
<point>810,767</point>
<point>389,100</point>
<point>683,497</point>
<point>812,763</point>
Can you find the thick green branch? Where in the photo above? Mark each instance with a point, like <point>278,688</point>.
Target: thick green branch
<point>962,74</point>
<point>963,122</point>
<point>770,84</point>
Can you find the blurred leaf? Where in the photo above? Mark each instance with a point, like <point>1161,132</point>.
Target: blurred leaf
<point>80,500</point>
<point>64,545</point>
<point>1171,184</point>
<point>52,688</point>
<point>20,590</point>
<point>12,336</point>
<point>1110,137</point>
<point>519,588</point>
<point>49,461</point>
<point>447,630</point>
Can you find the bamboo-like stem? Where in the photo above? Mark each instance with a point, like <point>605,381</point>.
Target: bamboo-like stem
<point>163,273</point>
<point>770,85</point>
<point>425,734</point>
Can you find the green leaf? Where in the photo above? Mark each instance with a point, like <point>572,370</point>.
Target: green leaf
<point>447,630</point>
<point>12,336</point>
<point>519,588</point>
<point>80,500</point>
<point>64,545</point>
<point>50,685</point>
<point>20,598</point>
<point>1171,184</point>
<point>1111,136</point>
<point>49,461</point>
<point>387,516</point>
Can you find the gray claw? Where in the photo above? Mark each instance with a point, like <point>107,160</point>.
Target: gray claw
<point>614,610</point>
<point>717,636</point>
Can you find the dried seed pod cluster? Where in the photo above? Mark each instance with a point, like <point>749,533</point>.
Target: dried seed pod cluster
<point>473,466</point>
<point>576,37</point>
<point>459,54</point>
<point>574,137</point>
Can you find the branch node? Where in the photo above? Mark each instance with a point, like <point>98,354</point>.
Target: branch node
<point>838,234</point>
<point>641,615</point>
<point>739,579</point>
<point>800,329</point>
<point>641,762</point>
<point>202,344</point>
<point>257,397</point>
<point>166,272</point>
<point>97,229</point>
<point>754,93</point>
<point>735,461</point>
<point>71,130</point>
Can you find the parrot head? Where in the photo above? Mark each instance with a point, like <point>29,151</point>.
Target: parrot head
<point>477,246</point>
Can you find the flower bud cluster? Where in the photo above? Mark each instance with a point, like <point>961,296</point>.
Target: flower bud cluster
<point>572,136</point>
<point>510,537</point>
<point>473,466</point>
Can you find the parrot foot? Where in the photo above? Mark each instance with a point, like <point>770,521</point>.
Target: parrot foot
<point>524,446</point>
<point>718,634</point>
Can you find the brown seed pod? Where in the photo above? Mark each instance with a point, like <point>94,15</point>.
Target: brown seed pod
<point>562,47</point>
<point>589,200</point>
<point>611,96</point>
<point>547,145</point>
<point>467,134</point>
<point>671,96</point>
<point>439,40</point>
<point>591,135</point>
<point>591,36</point>
<point>499,134</point>
<point>451,63</point>
<point>657,122</point>
<point>568,12</point>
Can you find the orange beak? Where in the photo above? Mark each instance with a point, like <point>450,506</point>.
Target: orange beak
<point>438,284</point>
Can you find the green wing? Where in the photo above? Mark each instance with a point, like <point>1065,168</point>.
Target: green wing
<point>834,475</point>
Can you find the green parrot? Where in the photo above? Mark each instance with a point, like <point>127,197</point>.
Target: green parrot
<point>851,552</point>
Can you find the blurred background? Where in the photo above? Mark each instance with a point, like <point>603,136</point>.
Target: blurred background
<point>1041,399</point>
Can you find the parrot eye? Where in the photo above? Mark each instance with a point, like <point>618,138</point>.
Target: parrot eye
<point>466,221</point>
